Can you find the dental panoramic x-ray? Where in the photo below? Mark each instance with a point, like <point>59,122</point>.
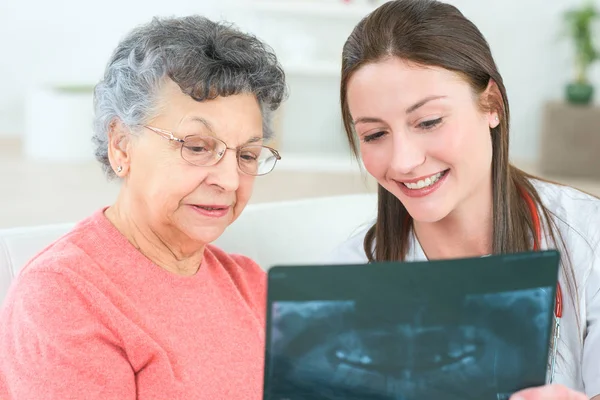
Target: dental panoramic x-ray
<point>456,329</point>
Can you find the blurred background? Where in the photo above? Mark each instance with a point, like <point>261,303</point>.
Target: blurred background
<point>54,52</point>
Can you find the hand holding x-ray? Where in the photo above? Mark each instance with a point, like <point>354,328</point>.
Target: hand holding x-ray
<point>550,392</point>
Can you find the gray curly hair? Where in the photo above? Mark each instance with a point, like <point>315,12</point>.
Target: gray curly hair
<point>206,59</point>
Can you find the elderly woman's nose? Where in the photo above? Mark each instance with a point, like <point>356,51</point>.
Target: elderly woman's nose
<point>226,172</point>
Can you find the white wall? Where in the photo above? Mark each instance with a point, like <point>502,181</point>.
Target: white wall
<point>70,41</point>
<point>67,41</point>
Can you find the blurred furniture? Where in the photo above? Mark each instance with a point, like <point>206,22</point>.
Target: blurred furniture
<point>570,140</point>
<point>280,233</point>
<point>58,124</point>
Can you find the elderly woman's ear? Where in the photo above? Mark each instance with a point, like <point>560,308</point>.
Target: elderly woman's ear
<point>119,144</point>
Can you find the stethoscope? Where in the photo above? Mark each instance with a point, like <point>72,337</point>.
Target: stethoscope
<point>558,302</point>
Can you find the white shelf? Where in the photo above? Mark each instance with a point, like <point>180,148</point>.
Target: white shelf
<point>318,163</point>
<point>328,9</point>
<point>313,69</point>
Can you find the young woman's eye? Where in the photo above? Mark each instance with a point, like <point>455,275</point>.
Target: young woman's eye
<point>373,136</point>
<point>430,124</point>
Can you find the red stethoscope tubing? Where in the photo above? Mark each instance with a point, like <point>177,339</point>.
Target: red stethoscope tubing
<point>537,225</point>
<point>558,302</point>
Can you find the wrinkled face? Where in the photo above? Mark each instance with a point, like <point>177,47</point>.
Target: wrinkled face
<point>181,201</point>
<point>422,135</point>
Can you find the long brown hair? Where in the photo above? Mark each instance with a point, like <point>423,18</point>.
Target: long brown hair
<point>432,33</point>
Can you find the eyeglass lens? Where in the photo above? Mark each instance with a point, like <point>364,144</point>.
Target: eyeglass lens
<point>206,150</point>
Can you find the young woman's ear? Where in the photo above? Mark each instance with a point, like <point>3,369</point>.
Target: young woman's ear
<point>492,100</point>
<point>495,120</point>
<point>118,147</point>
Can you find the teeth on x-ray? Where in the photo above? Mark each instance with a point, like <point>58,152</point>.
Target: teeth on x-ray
<point>350,358</point>
<point>330,350</point>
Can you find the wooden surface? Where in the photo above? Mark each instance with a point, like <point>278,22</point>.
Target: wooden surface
<point>570,141</point>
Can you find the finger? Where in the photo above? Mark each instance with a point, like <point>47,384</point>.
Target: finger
<point>548,392</point>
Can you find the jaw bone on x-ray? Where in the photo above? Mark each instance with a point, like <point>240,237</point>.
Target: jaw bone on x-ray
<point>454,345</point>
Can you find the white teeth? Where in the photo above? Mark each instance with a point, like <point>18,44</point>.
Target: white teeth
<point>353,358</point>
<point>424,182</point>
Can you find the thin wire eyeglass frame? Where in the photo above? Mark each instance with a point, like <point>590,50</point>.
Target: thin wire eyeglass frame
<point>219,155</point>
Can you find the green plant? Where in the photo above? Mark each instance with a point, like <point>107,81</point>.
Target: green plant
<point>579,25</point>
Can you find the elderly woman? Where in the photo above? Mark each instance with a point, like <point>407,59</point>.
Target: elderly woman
<point>134,303</point>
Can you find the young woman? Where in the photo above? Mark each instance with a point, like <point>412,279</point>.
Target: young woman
<point>426,109</point>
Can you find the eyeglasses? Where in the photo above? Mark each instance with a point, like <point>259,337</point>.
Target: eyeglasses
<point>205,151</point>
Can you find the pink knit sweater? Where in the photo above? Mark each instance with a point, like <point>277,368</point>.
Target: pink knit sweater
<point>91,318</point>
